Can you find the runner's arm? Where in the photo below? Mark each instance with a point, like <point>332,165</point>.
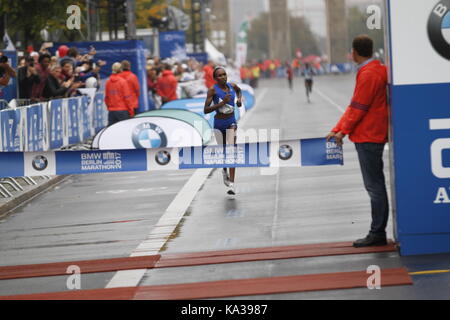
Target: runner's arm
<point>209,99</point>
<point>238,94</point>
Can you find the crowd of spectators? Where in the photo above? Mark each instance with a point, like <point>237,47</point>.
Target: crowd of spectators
<point>42,76</point>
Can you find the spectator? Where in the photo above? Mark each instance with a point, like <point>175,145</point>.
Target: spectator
<point>90,70</point>
<point>118,97</point>
<point>55,88</point>
<point>27,77</point>
<point>166,86</point>
<point>67,70</point>
<point>62,51</point>
<point>208,74</point>
<point>256,72</point>
<point>133,82</point>
<point>43,72</point>
<point>71,56</point>
<point>6,73</point>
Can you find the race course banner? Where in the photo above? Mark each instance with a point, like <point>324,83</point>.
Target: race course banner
<point>292,153</point>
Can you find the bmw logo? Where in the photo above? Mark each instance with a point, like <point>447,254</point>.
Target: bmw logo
<point>39,163</point>
<point>148,135</point>
<point>439,28</point>
<point>162,157</point>
<point>285,152</point>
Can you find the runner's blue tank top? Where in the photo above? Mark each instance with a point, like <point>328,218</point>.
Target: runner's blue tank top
<point>220,94</point>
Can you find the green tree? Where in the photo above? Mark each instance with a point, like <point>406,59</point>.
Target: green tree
<point>26,18</point>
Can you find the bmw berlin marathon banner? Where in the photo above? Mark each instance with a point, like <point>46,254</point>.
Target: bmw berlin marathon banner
<point>292,153</point>
<point>420,107</point>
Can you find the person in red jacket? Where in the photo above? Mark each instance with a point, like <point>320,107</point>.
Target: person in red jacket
<point>118,97</point>
<point>366,123</point>
<point>133,82</point>
<point>166,86</point>
<point>208,75</point>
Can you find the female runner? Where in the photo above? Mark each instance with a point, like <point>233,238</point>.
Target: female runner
<point>223,95</point>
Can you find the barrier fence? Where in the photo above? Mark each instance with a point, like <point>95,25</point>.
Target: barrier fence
<point>52,125</point>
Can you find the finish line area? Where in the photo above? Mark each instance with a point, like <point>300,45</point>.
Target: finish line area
<point>139,215</point>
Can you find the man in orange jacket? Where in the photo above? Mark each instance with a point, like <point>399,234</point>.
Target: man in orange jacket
<point>118,97</point>
<point>132,81</point>
<point>166,85</point>
<point>208,74</point>
<point>366,123</point>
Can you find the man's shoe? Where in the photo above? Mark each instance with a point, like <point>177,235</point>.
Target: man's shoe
<point>370,240</point>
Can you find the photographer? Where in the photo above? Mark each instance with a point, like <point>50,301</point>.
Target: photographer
<point>6,72</point>
<point>27,76</point>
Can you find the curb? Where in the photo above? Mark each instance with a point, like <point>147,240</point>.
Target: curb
<point>18,201</point>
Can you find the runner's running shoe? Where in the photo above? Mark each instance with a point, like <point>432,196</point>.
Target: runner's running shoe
<point>231,189</point>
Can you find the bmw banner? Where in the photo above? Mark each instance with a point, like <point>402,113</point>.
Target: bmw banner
<point>73,120</point>
<point>56,124</point>
<point>263,154</point>
<point>420,123</point>
<point>100,113</point>
<point>11,130</point>
<point>35,128</point>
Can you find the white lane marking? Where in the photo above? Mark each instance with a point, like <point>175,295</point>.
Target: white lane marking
<point>331,101</point>
<point>166,225</point>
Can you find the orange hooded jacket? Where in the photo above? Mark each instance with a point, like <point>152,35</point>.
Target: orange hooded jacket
<point>366,118</point>
<point>118,95</point>
<point>133,82</point>
<point>166,86</point>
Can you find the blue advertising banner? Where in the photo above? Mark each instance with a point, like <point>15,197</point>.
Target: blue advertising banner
<point>199,56</point>
<point>10,129</point>
<point>420,123</point>
<point>172,44</point>
<point>35,128</point>
<point>84,112</point>
<point>264,154</point>
<point>100,113</point>
<point>117,51</point>
<point>56,124</point>
<point>9,92</point>
<point>12,164</point>
<point>80,162</point>
<point>74,122</point>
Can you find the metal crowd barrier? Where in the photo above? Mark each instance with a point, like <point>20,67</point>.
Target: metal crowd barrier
<point>61,124</point>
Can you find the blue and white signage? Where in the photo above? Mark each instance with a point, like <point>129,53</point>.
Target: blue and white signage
<point>149,132</point>
<point>172,44</point>
<point>420,86</point>
<point>265,154</point>
<point>56,124</point>
<point>10,130</point>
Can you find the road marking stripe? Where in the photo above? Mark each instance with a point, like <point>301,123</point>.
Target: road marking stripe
<point>418,273</point>
<point>331,101</point>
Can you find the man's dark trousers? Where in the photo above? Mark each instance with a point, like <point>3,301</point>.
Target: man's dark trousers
<point>370,157</point>
<point>116,116</point>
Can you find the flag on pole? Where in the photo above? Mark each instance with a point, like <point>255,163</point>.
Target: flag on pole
<point>9,46</point>
<point>241,46</point>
